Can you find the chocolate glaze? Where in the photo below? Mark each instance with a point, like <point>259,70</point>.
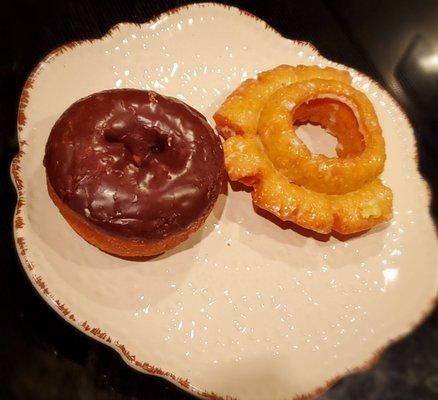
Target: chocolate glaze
<point>135,163</point>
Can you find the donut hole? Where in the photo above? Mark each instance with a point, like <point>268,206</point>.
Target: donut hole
<point>329,127</point>
<point>317,139</point>
<point>141,144</point>
<point>159,146</point>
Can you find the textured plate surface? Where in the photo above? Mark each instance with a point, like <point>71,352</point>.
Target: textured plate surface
<point>245,308</point>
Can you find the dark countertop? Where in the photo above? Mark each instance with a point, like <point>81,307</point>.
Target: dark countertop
<point>43,357</point>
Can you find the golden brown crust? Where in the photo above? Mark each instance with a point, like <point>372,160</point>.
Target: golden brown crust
<point>119,246</point>
<point>318,172</point>
<point>316,192</point>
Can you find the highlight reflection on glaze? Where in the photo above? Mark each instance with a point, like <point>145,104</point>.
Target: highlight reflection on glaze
<point>135,163</point>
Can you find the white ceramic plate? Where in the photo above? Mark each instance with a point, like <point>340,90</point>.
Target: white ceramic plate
<point>245,308</point>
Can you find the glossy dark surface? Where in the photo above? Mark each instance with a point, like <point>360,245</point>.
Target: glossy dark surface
<point>42,357</point>
<point>134,163</point>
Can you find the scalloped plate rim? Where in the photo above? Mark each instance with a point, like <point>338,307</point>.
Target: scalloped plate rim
<point>118,347</point>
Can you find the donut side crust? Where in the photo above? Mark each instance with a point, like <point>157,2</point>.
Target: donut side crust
<point>119,246</point>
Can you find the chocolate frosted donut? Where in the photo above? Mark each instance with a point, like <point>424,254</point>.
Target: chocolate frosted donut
<point>133,172</point>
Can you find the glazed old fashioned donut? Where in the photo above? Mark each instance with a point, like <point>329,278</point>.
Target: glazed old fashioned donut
<point>132,171</point>
<point>342,194</point>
